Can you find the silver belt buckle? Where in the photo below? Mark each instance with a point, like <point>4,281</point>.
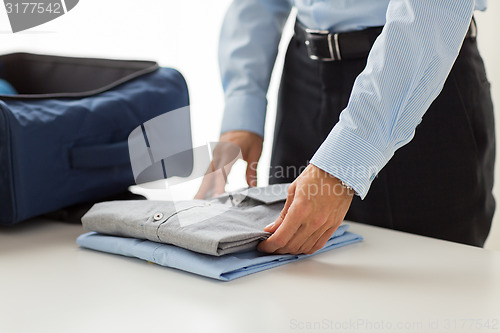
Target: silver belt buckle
<point>333,45</point>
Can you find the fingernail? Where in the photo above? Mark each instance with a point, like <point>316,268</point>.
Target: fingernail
<point>270,225</point>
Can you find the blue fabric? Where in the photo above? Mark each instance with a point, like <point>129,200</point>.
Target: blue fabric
<point>405,72</point>
<point>6,88</point>
<point>227,267</point>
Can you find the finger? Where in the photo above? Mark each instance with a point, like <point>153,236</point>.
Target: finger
<point>291,247</point>
<point>252,161</point>
<point>313,240</point>
<point>306,238</point>
<point>291,223</point>
<point>226,154</point>
<point>273,226</point>
<point>206,187</point>
<point>213,184</point>
<point>215,179</point>
<point>322,241</point>
<point>328,224</point>
<point>252,174</point>
<point>289,199</point>
<point>313,224</point>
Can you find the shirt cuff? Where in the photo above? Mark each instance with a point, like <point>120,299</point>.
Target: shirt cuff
<point>244,113</point>
<point>350,158</point>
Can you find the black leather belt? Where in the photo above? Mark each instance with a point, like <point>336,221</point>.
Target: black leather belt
<point>324,46</point>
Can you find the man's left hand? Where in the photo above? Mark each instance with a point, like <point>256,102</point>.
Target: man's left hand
<point>315,207</point>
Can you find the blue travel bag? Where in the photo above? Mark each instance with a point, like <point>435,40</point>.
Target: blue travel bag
<point>63,136</point>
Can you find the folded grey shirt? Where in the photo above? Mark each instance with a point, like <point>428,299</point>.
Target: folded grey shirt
<point>226,224</point>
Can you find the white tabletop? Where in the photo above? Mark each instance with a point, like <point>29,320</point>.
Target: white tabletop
<point>392,281</point>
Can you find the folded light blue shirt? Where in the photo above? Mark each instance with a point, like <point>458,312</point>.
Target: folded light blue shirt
<point>227,267</point>
<point>405,72</point>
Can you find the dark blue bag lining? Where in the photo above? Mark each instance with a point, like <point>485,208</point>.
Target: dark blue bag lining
<point>60,151</point>
<point>36,76</point>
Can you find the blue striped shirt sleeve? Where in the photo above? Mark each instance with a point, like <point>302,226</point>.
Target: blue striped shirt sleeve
<point>405,72</point>
<point>248,48</point>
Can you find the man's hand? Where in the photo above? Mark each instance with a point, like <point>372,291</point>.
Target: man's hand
<point>224,155</point>
<point>316,205</point>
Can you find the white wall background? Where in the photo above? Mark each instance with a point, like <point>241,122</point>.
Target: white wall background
<point>184,34</point>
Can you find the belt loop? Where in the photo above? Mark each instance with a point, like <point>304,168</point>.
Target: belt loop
<point>330,48</point>
<point>334,47</point>
<point>337,47</point>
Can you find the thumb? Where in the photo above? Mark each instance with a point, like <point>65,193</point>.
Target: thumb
<point>212,185</point>
<point>289,200</point>
<point>251,173</point>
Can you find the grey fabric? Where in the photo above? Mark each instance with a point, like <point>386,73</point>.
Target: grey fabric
<point>227,224</point>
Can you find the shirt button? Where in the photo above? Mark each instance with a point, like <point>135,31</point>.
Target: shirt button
<point>158,216</point>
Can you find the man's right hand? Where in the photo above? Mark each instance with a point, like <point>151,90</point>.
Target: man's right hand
<point>249,143</point>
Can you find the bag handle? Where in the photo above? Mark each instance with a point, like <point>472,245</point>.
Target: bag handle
<point>100,156</point>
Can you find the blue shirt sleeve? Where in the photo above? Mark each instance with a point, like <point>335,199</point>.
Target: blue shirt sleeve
<point>247,51</point>
<point>405,72</point>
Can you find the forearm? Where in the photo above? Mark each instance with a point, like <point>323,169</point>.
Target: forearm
<point>405,72</point>
<point>247,51</point>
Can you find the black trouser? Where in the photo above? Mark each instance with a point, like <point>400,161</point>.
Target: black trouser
<point>438,185</point>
